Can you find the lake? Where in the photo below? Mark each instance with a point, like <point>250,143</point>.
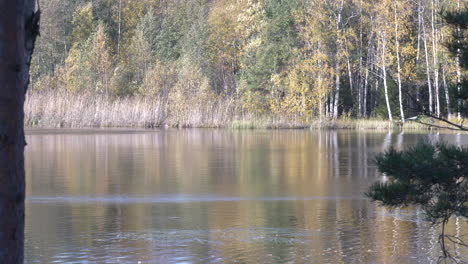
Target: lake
<point>219,196</point>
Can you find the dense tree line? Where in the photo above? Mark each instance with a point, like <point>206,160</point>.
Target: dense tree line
<point>307,58</point>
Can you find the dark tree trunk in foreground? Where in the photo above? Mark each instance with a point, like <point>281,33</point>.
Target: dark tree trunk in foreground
<point>18,31</point>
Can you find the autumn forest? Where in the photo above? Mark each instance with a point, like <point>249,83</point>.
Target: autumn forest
<point>213,63</point>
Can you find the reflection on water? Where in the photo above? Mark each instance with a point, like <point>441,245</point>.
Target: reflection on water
<point>216,196</point>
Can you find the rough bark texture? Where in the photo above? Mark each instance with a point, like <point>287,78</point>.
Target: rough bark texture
<point>18,31</point>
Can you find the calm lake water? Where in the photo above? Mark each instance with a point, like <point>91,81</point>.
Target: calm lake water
<point>218,196</point>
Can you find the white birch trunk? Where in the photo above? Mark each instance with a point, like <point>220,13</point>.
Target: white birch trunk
<point>337,90</point>
<point>384,73</point>
<point>397,44</point>
<point>457,60</point>
<point>428,72</point>
<point>337,64</point>
<point>436,63</point>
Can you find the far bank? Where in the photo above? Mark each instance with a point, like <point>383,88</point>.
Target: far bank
<point>61,109</point>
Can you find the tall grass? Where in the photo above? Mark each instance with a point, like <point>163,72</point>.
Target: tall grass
<point>59,108</point>
<point>371,124</point>
<point>65,109</point>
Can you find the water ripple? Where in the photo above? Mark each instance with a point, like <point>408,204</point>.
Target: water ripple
<point>173,199</point>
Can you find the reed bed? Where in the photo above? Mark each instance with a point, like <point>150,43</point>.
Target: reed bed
<point>368,124</point>
<point>58,108</point>
<point>74,110</point>
<point>71,110</point>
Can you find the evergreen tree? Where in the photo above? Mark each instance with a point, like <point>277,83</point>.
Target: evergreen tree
<point>434,177</point>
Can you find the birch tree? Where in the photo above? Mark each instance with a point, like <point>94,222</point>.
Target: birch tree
<point>435,58</point>
<point>384,33</point>
<point>397,47</point>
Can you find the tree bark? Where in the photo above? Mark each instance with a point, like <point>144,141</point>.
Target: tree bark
<point>384,76</point>
<point>428,72</point>
<point>360,78</point>
<point>457,62</point>
<point>364,103</point>
<point>337,63</point>
<point>18,31</point>
<point>397,44</point>
<point>436,63</point>
<point>447,96</point>
<point>444,82</point>
<point>350,76</point>
<point>418,49</point>
<point>337,90</point>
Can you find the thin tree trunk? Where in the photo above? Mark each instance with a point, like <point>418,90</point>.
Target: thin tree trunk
<point>337,64</point>
<point>447,96</point>
<point>436,63</point>
<point>444,81</point>
<point>374,98</point>
<point>428,73</point>
<point>457,60</point>
<point>360,82</point>
<point>360,88</point>
<point>321,110</point>
<point>418,49</point>
<point>19,28</point>
<point>350,76</point>
<point>364,103</point>
<point>384,72</point>
<point>397,44</point>
<point>337,90</point>
<point>366,80</point>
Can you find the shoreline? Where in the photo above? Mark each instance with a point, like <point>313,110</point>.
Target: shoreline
<point>61,109</point>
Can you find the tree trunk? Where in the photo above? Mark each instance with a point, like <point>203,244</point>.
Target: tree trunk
<point>447,96</point>
<point>337,90</point>
<point>384,76</point>
<point>18,31</point>
<point>428,72</point>
<point>418,49</point>
<point>366,78</point>
<point>364,103</point>
<point>337,63</point>
<point>360,78</point>
<point>436,63</point>
<point>350,77</point>
<point>444,82</point>
<point>321,108</point>
<point>397,44</point>
<point>376,92</point>
<point>457,62</point>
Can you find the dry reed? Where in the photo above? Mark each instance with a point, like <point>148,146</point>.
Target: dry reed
<point>58,108</point>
